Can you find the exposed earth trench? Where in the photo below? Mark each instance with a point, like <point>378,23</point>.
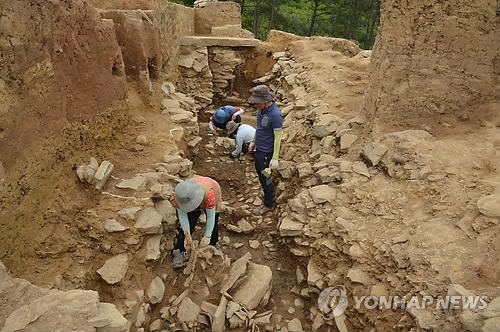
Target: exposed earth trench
<point>388,180</point>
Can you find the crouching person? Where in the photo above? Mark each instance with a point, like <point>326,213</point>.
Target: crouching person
<point>191,197</point>
<point>243,135</point>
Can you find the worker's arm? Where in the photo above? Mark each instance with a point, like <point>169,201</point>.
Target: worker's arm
<point>211,124</point>
<point>184,221</point>
<point>239,111</point>
<point>239,146</point>
<point>210,222</point>
<point>277,144</point>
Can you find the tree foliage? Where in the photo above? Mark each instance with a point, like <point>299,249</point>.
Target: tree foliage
<point>350,19</point>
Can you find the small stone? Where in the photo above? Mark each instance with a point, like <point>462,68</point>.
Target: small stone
<point>347,140</point>
<point>111,225</point>
<point>102,174</point>
<point>142,140</point>
<point>257,202</point>
<point>129,213</point>
<point>298,303</point>
<point>155,326</point>
<point>245,226</point>
<point>233,228</point>
<point>114,269</point>
<point>155,291</point>
<point>360,168</point>
<point>295,325</point>
<point>300,274</point>
<point>153,248</point>
<point>373,152</point>
<point>238,245</point>
<point>254,244</point>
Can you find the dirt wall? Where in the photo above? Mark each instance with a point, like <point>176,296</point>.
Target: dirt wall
<point>122,4</point>
<point>173,21</point>
<point>216,14</point>
<point>60,64</point>
<point>432,59</point>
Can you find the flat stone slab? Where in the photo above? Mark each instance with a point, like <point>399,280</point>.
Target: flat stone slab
<point>205,41</point>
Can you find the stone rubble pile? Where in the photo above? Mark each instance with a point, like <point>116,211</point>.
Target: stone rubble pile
<point>220,295</point>
<point>95,174</point>
<point>340,199</point>
<point>25,307</point>
<point>210,73</point>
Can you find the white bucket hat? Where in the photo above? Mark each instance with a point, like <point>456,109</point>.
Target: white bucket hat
<point>189,195</point>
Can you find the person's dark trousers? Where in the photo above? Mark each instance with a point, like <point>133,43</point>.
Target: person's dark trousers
<point>262,160</point>
<point>193,219</point>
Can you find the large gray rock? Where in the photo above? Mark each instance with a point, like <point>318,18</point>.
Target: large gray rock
<point>167,211</point>
<point>188,311</point>
<point>324,126</point>
<point>322,193</point>
<point>149,221</point>
<point>155,291</point>
<point>170,103</point>
<point>489,205</point>
<point>238,269</point>
<point>109,319</point>
<point>220,316</point>
<point>114,269</point>
<point>137,183</point>
<point>290,227</point>
<point>253,289</point>
<point>153,251</point>
<point>305,170</point>
<point>373,152</point>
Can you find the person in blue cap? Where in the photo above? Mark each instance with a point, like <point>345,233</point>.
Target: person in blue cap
<point>223,115</point>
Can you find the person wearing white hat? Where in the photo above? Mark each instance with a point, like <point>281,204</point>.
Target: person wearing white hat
<point>243,134</point>
<point>267,141</point>
<point>223,115</point>
<point>191,197</point>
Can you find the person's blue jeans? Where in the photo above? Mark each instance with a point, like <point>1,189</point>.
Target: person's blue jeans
<point>262,160</point>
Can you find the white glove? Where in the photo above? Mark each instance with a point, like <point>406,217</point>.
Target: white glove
<point>251,147</point>
<point>274,163</point>
<point>205,241</point>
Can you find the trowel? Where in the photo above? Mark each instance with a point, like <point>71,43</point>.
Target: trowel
<point>267,172</point>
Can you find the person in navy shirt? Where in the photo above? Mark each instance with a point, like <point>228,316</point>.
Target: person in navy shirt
<point>223,115</point>
<point>266,142</point>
